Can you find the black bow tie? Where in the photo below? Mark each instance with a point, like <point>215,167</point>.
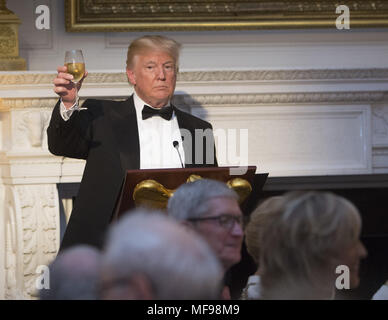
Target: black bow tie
<point>165,113</point>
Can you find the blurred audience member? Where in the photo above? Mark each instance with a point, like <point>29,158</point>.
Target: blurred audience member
<point>149,256</point>
<point>73,275</point>
<point>302,245</point>
<point>253,230</point>
<point>211,209</point>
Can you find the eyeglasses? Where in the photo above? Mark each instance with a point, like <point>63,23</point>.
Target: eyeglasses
<point>226,221</point>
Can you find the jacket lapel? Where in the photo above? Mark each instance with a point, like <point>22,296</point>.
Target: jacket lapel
<point>124,126</point>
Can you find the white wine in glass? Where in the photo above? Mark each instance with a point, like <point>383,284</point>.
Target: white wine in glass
<point>74,61</point>
<point>77,69</point>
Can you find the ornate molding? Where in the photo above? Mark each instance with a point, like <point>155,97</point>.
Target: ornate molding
<point>44,105</point>
<point>34,103</point>
<point>26,78</point>
<point>102,77</point>
<point>12,64</point>
<point>210,76</point>
<point>32,236</point>
<point>223,99</point>
<point>284,75</point>
<point>210,80</point>
<point>219,99</point>
<point>279,98</point>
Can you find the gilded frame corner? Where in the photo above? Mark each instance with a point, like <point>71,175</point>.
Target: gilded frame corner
<point>196,15</point>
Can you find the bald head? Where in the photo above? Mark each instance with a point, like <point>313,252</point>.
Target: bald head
<point>74,275</point>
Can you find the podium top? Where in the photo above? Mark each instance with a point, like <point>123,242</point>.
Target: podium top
<point>171,179</point>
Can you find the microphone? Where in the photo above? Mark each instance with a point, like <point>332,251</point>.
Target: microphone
<point>176,146</point>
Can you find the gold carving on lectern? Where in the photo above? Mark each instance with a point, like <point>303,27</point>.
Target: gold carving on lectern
<point>241,186</point>
<point>151,193</point>
<point>9,45</point>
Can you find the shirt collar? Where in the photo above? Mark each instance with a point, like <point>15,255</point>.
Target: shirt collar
<point>139,103</point>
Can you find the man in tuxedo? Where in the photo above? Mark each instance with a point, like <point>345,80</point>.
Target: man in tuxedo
<point>145,131</point>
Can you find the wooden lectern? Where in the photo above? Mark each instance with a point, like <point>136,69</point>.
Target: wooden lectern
<point>170,179</point>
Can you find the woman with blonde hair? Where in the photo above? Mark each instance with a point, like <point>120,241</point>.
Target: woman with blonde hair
<point>304,242</point>
<point>253,230</point>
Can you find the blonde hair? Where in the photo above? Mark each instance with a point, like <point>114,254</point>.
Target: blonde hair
<point>257,221</point>
<point>302,242</point>
<point>153,43</point>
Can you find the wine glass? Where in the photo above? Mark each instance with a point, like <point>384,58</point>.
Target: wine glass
<point>74,61</point>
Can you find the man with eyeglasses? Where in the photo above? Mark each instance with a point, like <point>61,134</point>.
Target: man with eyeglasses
<point>211,209</point>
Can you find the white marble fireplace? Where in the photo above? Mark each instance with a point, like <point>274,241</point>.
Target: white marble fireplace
<point>299,122</point>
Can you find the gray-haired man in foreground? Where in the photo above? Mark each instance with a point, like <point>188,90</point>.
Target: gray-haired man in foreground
<point>149,256</point>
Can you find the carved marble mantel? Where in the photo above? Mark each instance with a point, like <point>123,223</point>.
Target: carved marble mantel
<point>300,122</point>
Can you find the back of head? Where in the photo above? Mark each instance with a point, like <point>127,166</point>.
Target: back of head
<point>74,275</point>
<point>150,43</point>
<point>190,200</point>
<point>176,263</point>
<point>257,221</point>
<point>302,243</point>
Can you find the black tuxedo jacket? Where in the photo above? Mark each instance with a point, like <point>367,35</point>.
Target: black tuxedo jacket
<point>106,136</point>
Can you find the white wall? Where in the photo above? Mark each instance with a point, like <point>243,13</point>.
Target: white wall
<point>215,50</point>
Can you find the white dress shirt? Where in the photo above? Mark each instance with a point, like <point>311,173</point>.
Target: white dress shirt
<point>156,137</point>
<point>66,113</point>
<point>252,290</point>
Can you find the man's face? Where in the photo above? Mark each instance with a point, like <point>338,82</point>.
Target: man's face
<point>225,242</point>
<point>153,76</point>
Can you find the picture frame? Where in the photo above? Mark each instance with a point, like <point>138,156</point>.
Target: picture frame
<point>202,15</point>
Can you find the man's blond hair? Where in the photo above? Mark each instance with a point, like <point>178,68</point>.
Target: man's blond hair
<point>149,43</point>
